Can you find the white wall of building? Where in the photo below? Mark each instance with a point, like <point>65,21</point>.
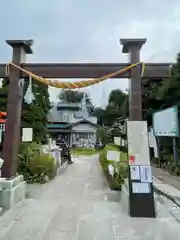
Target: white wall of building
<point>84,127</point>
<point>87,130</point>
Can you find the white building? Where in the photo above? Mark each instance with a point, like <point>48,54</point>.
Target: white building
<point>73,122</point>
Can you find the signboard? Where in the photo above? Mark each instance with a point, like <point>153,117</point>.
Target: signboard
<point>153,143</point>
<point>146,174</point>
<point>152,139</point>
<point>135,173</point>
<point>27,135</point>
<point>113,156</point>
<point>117,141</point>
<point>141,187</point>
<point>165,122</point>
<point>123,143</point>
<point>138,149</point>
<point>2,127</point>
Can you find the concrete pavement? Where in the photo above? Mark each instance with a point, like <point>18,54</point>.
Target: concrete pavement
<point>167,185</point>
<point>78,205</point>
<point>167,178</point>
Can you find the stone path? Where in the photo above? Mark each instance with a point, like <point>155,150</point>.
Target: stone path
<point>79,206</point>
<point>166,177</point>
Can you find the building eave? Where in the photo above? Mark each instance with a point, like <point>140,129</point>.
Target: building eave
<point>83,121</point>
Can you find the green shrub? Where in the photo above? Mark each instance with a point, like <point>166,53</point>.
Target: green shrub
<point>43,168</point>
<point>27,152</point>
<point>35,167</point>
<point>121,167</point>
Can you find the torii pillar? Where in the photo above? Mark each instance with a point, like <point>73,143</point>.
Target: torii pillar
<point>14,106</point>
<point>133,47</point>
<point>140,204</point>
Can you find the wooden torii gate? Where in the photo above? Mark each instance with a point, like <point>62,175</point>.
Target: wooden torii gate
<point>70,70</point>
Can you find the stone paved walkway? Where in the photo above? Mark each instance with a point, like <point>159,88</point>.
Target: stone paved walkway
<point>79,206</point>
<point>166,177</point>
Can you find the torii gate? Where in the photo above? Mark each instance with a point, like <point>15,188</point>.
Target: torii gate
<point>70,70</point>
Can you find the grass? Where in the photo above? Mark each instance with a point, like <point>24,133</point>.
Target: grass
<point>84,151</point>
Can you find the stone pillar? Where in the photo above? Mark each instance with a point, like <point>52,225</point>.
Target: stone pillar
<point>133,47</point>
<point>14,105</point>
<point>140,190</point>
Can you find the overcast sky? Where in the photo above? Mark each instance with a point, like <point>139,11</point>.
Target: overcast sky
<point>89,31</point>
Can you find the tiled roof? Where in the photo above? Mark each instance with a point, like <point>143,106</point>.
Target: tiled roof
<point>55,116</point>
<point>68,125</point>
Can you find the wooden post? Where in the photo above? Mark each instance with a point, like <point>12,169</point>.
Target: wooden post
<point>14,106</point>
<point>133,47</point>
<point>141,204</point>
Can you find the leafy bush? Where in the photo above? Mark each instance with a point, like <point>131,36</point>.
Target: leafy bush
<point>121,167</point>
<point>35,167</point>
<point>43,168</point>
<point>27,152</point>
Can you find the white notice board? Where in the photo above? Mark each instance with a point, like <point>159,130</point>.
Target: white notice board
<point>141,187</point>
<point>1,134</point>
<point>135,173</point>
<point>113,156</point>
<point>117,141</point>
<point>138,144</point>
<point>165,122</point>
<point>27,135</point>
<point>146,174</point>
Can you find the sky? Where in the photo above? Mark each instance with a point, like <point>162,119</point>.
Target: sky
<point>89,31</point>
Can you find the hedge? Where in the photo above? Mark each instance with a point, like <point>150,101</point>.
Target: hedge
<point>35,167</point>
<point>121,167</point>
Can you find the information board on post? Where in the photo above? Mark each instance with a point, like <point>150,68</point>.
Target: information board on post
<point>141,197</point>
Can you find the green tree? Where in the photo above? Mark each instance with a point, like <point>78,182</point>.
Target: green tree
<point>3,94</point>
<point>169,93</point>
<point>161,93</point>
<point>99,113</point>
<point>34,115</point>
<point>117,107</point>
<point>74,96</point>
<point>102,135</point>
<point>150,98</point>
<point>117,97</point>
